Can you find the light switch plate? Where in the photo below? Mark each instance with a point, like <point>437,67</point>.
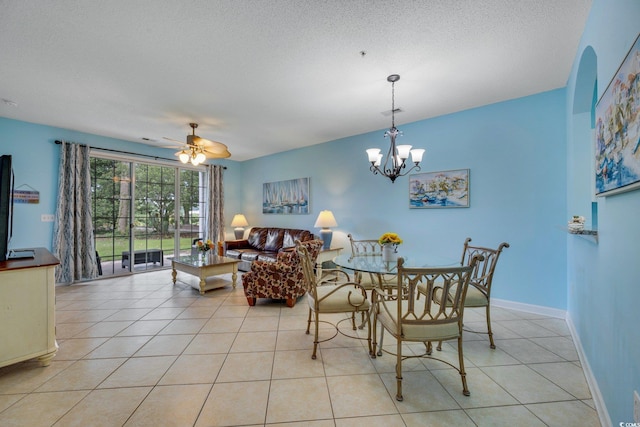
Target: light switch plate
<point>47,217</point>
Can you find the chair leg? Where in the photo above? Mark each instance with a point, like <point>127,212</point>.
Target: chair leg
<point>371,349</point>
<point>399,397</point>
<point>251,301</point>
<point>315,340</point>
<point>491,343</point>
<point>374,330</point>
<point>309,322</point>
<point>463,374</point>
<point>291,302</point>
<point>381,342</point>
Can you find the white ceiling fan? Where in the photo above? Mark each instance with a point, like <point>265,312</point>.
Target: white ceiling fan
<point>198,149</point>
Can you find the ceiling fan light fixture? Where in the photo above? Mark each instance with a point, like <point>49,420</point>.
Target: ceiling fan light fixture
<point>200,157</point>
<point>183,156</point>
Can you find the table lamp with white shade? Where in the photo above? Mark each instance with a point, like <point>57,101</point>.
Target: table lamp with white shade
<point>239,222</point>
<point>326,220</point>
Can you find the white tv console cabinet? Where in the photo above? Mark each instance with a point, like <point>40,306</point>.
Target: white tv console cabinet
<point>27,309</point>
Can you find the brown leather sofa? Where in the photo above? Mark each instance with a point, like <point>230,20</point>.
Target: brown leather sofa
<point>264,243</point>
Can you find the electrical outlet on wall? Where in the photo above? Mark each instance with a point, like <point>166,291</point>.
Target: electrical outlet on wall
<point>636,407</point>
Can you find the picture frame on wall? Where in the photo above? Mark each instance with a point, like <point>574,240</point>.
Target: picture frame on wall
<point>617,126</point>
<point>290,197</point>
<point>442,189</point>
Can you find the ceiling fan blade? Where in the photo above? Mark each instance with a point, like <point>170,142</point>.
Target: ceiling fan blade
<point>173,140</point>
<point>222,154</point>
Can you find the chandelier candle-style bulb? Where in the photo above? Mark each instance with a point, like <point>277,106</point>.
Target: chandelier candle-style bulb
<point>395,163</point>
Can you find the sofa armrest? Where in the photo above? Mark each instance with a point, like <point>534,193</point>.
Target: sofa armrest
<point>236,244</point>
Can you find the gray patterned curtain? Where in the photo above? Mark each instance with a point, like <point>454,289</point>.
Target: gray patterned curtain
<point>73,242</point>
<point>215,204</point>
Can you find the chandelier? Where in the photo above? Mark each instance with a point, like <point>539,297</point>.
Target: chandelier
<point>395,164</point>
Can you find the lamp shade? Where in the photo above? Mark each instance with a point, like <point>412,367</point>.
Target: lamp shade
<point>239,221</point>
<point>326,219</point>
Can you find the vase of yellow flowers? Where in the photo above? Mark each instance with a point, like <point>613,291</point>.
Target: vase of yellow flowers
<point>390,242</point>
<point>204,246</point>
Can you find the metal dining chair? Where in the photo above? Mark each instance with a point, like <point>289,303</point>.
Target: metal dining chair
<point>409,319</point>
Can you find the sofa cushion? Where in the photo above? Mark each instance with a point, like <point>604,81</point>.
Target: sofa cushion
<point>291,235</point>
<point>255,238</point>
<point>268,256</point>
<point>273,240</point>
<point>249,255</point>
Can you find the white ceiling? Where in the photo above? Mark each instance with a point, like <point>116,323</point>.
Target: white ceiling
<point>265,76</point>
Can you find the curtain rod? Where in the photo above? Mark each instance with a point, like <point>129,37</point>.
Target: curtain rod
<point>58,142</point>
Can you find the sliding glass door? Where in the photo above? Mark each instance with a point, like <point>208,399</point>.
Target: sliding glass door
<point>111,207</point>
<point>144,213</point>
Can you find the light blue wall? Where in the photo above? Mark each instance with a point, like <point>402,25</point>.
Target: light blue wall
<point>35,162</point>
<point>603,279</point>
<point>516,153</point>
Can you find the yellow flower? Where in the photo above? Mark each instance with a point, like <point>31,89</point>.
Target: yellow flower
<point>390,238</point>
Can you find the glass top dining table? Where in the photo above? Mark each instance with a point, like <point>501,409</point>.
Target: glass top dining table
<point>375,264</point>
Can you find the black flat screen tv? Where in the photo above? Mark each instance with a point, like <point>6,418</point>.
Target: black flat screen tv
<point>6,205</point>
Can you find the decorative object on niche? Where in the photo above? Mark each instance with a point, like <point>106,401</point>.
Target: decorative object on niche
<point>197,149</point>
<point>444,189</point>
<point>326,220</point>
<point>239,222</point>
<point>617,150</point>
<point>289,197</point>
<point>390,242</point>
<point>31,196</point>
<point>395,163</point>
<point>576,223</point>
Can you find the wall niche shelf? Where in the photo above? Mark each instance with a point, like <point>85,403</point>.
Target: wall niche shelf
<point>586,234</point>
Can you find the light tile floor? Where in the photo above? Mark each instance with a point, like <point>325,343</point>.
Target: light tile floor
<point>138,351</point>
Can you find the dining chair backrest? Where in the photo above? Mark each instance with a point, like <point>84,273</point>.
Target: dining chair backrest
<point>365,246</point>
<point>307,269</point>
<point>482,276</point>
<point>452,281</point>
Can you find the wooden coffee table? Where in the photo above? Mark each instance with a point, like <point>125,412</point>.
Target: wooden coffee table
<point>212,265</point>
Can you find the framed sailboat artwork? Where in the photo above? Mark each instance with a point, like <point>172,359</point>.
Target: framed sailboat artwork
<point>290,197</point>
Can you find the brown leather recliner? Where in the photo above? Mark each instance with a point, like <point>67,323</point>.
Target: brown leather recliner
<point>264,243</point>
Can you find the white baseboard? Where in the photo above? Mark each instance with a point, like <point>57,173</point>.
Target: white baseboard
<point>598,401</point>
<point>529,308</point>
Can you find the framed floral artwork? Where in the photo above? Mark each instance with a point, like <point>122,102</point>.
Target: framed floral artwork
<point>443,189</point>
<point>617,144</point>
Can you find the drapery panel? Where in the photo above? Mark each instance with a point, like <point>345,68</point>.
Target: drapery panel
<point>215,204</point>
<point>73,242</point>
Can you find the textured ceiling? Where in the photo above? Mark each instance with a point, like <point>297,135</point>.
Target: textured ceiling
<point>265,76</point>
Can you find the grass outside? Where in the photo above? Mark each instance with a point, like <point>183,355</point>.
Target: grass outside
<point>107,247</point>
